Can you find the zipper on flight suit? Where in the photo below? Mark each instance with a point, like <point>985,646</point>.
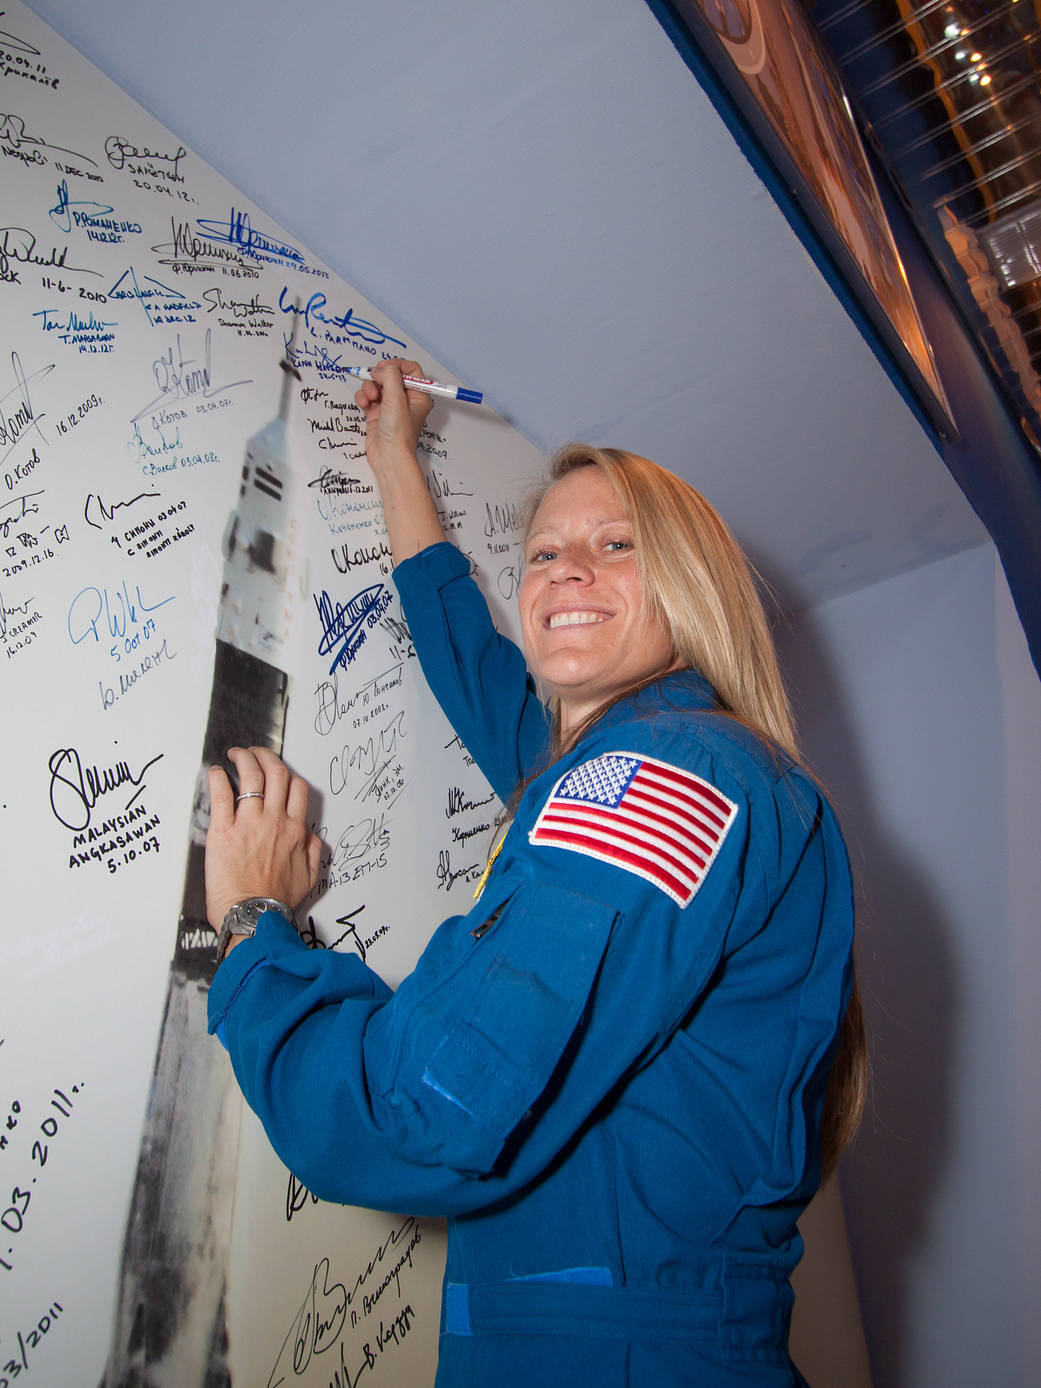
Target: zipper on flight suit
<point>486,925</point>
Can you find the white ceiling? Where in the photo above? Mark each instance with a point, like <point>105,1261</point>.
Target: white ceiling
<point>542,194</point>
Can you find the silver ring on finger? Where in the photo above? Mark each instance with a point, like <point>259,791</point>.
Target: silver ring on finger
<point>249,795</point>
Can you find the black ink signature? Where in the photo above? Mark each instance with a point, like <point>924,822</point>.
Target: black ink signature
<point>351,930</point>
<point>13,426</point>
<point>500,519</point>
<point>447,876</point>
<point>316,1326</point>
<point>440,487</point>
<point>331,706</point>
<point>76,789</point>
<point>508,580</point>
<point>107,512</point>
<point>297,1196</point>
<point>195,252</point>
<point>330,483</point>
<point>19,45</point>
<point>19,245</point>
<point>358,842</point>
<point>118,151</point>
<point>346,559</point>
<point>370,757</point>
<point>312,354</point>
<point>238,308</point>
<point>6,522</point>
<point>20,608</point>
<point>12,132</point>
<point>458,803</point>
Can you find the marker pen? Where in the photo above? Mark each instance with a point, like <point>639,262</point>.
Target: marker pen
<point>472,397</point>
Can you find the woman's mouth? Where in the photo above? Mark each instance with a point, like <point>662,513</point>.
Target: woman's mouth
<point>575,619</point>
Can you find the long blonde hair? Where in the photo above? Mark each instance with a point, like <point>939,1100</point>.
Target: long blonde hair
<point>699,584</point>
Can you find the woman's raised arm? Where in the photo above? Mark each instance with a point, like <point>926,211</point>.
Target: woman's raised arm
<point>394,418</point>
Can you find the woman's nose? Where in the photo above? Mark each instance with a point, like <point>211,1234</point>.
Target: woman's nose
<point>572,564</point>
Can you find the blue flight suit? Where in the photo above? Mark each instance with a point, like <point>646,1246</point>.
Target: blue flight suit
<point>610,1074</point>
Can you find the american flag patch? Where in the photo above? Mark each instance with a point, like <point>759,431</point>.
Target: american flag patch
<point>643,815</point>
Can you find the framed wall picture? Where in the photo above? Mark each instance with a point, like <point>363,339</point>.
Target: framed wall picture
<point>773,66</point>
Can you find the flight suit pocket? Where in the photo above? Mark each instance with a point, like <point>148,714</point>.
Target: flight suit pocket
<point>528,982</point>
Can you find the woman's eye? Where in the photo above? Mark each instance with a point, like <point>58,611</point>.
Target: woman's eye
<point>618,546</point>
<point>542,556</point>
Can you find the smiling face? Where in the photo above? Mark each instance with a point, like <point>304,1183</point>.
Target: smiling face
<point>588,633</point>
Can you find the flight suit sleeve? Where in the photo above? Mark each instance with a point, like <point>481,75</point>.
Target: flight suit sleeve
<point>518,1021</point>
<point>477,676</point>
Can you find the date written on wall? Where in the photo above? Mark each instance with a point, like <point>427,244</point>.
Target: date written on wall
<point>29,1341</point>
<point>43,1127</point>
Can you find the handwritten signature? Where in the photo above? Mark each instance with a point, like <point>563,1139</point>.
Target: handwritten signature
<point>72,324</point>
<point>107,512</point>
<point>13,133</point>
<point>500,519</point>
<point>19,45</point>
<point>239,231</point>
<point>18,245</point>
<point>343,624</point>
<point>319,1323</point>
<point>153,294</point>
<point>316,355</point>
<point>13,425</point>
<point>61,214</point>
<point>459,803</point>
<point>182,378</point>
<point>197,253</point>
<point>76,789</point>
<point>447,876</point>
<point>121,612</point>
<point>118,151</point>
<point>371,757</point>
<point>27,507</point>
<point>331,706</point>
<point>19,609</point>
<point>314,312</point>
<point>238,308</point>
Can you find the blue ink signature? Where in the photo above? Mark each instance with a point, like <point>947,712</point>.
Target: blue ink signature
<point>172,300</point>
<point>343,624</point>
<point>312,312</point>
<point>61,214</point>
<point>72,324</point>
<point>238,231</point>
<point>121,612</point>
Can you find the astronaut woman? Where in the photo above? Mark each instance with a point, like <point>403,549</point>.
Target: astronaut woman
<point>611,1076</point>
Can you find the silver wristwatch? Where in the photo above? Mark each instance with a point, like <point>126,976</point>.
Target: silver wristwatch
<point>242,919</point>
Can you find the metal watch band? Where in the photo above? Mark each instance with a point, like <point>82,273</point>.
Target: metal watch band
<point>242,918</point>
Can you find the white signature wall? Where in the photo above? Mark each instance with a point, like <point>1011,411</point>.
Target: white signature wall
<point>144,310</point>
